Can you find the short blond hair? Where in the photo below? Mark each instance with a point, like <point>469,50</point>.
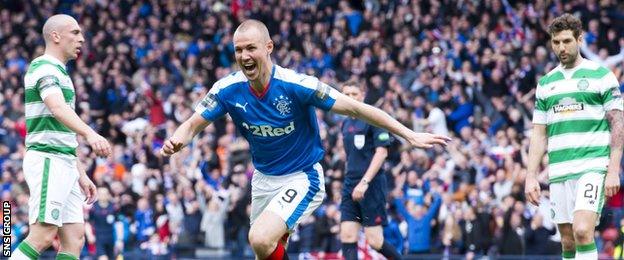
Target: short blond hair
<point>351,83</point>
<point>254,24</point>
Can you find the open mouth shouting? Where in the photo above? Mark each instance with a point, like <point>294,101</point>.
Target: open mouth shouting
<point>249,68</point>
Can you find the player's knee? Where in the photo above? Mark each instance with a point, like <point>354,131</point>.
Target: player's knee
<point>348,237</point>
<point>41,241</point>
<point>260,244</point>
<point>583,232</point>
<point>79,240</point>
<point>46,241</point>
<point>567,244</point>
<point>374,240</point>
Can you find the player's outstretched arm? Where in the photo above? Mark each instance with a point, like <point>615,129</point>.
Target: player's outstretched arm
<point>537,147</point>
<point>184,134</point>
<point>68,117</point>
<point>375,116</point>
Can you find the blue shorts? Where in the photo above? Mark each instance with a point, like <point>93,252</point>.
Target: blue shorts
<point>105,248</point>
<point>371,210</point>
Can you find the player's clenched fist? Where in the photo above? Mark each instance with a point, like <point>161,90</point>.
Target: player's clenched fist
<point>612,183</point>
<point>99,144</point>
<point>170,147</point>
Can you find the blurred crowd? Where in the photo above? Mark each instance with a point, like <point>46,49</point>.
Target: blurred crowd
<point>458,67</point>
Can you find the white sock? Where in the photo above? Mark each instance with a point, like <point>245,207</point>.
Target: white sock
<point>18,255</point>
<point>24,252</point>
<point>586,252</point>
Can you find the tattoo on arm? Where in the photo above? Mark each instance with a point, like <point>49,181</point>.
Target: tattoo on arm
<point>616,123</point>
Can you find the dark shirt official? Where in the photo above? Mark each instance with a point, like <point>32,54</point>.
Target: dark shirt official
<point>360,142</point>
<point>103,219</point>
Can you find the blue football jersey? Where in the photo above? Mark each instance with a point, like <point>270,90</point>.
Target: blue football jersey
<point>279,124</point>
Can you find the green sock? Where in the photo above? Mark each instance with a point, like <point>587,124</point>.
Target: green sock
<point>568,254</point>
<point>65,256</point>
<point>586,252</point>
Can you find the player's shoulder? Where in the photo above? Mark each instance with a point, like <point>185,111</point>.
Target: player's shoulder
<point>45,66</point>
<point>231,79</point>
<point>553,75</point>
<point>295,78</point>
<point>592,70</point>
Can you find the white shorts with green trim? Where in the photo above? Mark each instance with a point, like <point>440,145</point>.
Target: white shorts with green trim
<point>55,196</point>
<point>584,193</point>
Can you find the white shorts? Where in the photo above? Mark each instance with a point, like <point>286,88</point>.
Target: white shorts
<point>584,193</point>
<point>55,196</point>
<point>293,197</point>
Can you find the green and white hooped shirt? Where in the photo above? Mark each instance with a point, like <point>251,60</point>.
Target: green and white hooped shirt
<point>44,133</point>
<point>572,103</point>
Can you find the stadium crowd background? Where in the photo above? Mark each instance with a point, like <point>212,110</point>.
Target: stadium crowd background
<point>463,68</point>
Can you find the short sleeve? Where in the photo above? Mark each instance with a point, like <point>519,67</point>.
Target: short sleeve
<point>539,114</point>
<point>611,95</point>
<point>314,92</point>
<point>381,137</point>
<point>210,107</point>
<point>48,84</point>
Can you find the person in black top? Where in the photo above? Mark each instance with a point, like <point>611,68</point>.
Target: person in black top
<point>364,190</point>
<point>102,217</point>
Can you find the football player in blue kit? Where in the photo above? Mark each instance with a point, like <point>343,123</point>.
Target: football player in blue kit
<point>274,109</point>
<point>364,189</point>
